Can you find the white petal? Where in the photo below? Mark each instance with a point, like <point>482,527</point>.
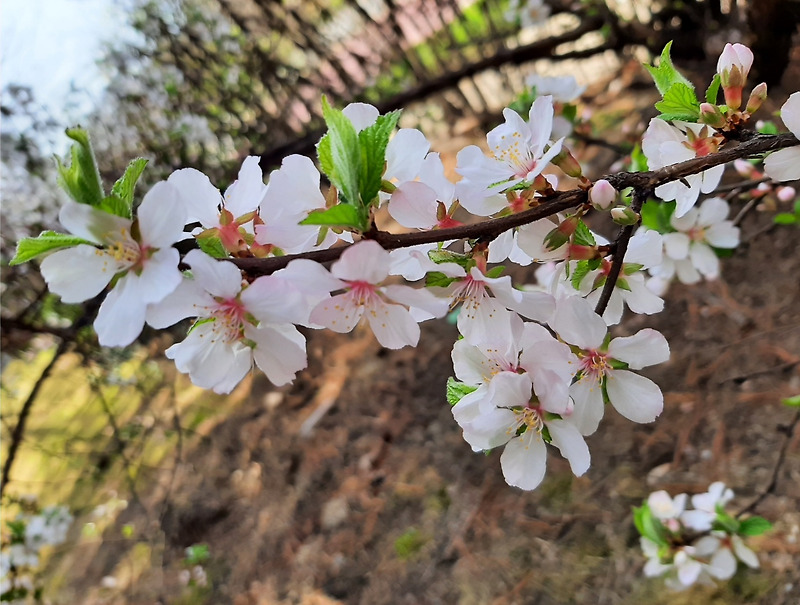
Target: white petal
<point>404,154</point>
<point>576,322</point>
<point>645,248</point>
<point>714,210</point>
<point>273,300</point>
<point>704,260</point>
<point>338,313</point>
<point>501,247</point>
<point>784,164</point>
<point>162,216</point>
<point>589,406</point>
<point>689,572</point>
<point>413,204</point>
<point>199,196</point>
<point>361,115</point>
<point>711,178</point>
<point>676,245</point>
<point>432,174</point>
<point>686,272</point>
<point>120,318</point>
<point>160,275</point>
<point>79,273</point>
<point>723,564</point>
<point>419,298</point>
<point>245,193</point>
<point>220,278</point>
<point>365,261</point>
<point>744,554</point>
<point>293,190</point>
<point>524,461</point>
<point>571,444</point>
<point>280,351</point>
<point>189,299</point>
<point>790,113</point>
<point>687,221</point>
<point>639,298</point>
<point>645,348</point>
<point>637,398</point>
<point>393,325</point>
<point>90,223</point>
<point>723,235</point>
<point>540,122</point>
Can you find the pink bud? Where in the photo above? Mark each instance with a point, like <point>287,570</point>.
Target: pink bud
<point>787,194</point>
<point>744,168</point>
<point>734,64</point>
<point>711,115</point>
<point>757,96</point>
<point>602,195</point>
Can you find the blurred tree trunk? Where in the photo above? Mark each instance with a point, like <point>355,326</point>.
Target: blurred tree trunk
<point>773,23</point>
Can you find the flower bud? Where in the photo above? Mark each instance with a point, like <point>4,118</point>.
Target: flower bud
<point>602,195</point>
<point>622,215</point>
<point>787,194</point>
<point>567,162</point>
<point>733,66</point>
<point>744,168</point>
<point>561,234</point>
<point>757,96</point>
<point>711,115</point>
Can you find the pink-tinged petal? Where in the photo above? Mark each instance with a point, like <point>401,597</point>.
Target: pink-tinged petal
<point>199,196</point>
<point>311,278</point>
<point>491,428</point>
<point>790,113</point>
<point>419,298</point>
<point>211,362</point>
<point>723,235</point>
<point>160,275</point>
<point>280,351</point>
<point>676,245</point>
<point>393,325</point>
<point>576,322</point>
<point>220,278</point>
<point>645,348</point>
<point>245,193</point>
<point>189,299</point>
<point>509,389</point>
<point>524,461</point>
<point>404,155</point>
<point>722,565</point>
<point>470,365</point>
<point>362,115</point>
<point>705,260</point>
<point>162,216</point>
<point>637,398</point>
<point>413,204</point>
<point>481,199</point>
<point>90,223</point>
<point>784,164</point>
<point>79,273</point>
<point>571,444</point>
<point>432,174</point>
<point>365,261</point>
<point>744,554</point>
<point>293,189</point>
<point>589,406</point>
<point>645,248</point>
<point>120,318</point>
<point>479,319</point>
<point>271,299</point>
<point>288,235</point>
<point>338,313</point>
<point>711,178</point>
<point>714,210</point>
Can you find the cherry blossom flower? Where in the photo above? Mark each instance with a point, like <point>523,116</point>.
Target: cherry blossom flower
<point>508,416</point>
<point>667,509</point>
<point>784,164</point>
<point>227,216</point>
<point>664,145</point>
<point>687,250</point>
<point>518,155</point>
<point>722,551</point>
<point>359,271</point>
<point>236,325</point>
<point>426,203</point>
<point>139,252</point>
<point>733,66</point>
<point>637,398</point>
<point>529,12</point>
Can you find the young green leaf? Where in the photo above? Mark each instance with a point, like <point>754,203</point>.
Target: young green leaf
<point>438,279</point>
<point>583,236</point>
<point>212,245</point>
<point>345,155</point>
<point>679,103</point>
<point>581,270</point>
<point>372,142</point>
<point>81,180</point>
<point>792,402</point>
<point>657,215</point>
<point>456,390</point>
<point>754,526</point>
<point>124,187</point>
<point>114,205</point>
<point>665,75</point>
<point>713,90</point>
<point>31,247</point>
<point>341,215</point>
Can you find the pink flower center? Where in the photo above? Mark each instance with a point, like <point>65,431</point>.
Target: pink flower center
<point>595,363</point>
<point>361,292</point>
<point>229,318</point>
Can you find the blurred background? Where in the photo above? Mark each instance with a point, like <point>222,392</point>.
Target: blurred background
<point>353,485</point>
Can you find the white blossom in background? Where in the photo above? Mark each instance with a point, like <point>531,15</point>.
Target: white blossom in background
<point>528,12</point>
<point>236,324</point>
<point>147,265</point>
<point>688,253</point>
<point>667,509</point>
<point>637,398</point>
<point>784,164</point>
<point>359,272</point>
<point>563,89</point>
<point>664,145</point>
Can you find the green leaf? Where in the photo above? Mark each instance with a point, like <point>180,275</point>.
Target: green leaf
<point>197,553</point>
<point>581,270</point>
<point>341,215</point>
<point>792,402</point>
<point>784,218</point>
<point>81,180</point>
<point>437,279</point>
<point>115,205</point>
<point>713,90</point>
<point>372,142</point>
<point>583,236</point>
<point>124,187</point>
<point>345,155</point>
<point>212,246</point>
<point>569,112</point>
<point>767,127</point>
<point>665,75</point>
<point>456,390</point>
<point>31,247</point>
<point>754,526</point>
<point>325,156</point>
<point>657,215</point>
<point>648,526</point>
<point>446,256</point>
<point>495,272</point>
<point>679,103</point>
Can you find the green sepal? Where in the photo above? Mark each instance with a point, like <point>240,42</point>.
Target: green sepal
<point>456,390</point>
<point>31,247</point>
<point>713,90</point>
<point>665,75</point>
<point>583,236</point>
<point>679,103</point>
<point>212,245</point>
<point>754,526</point>
<point>631,268</point>
<point>446,256</point>
<point>200,322</point>
<point>437,279</point>
<point>81,180</point>
<point>372,142</point>
<point>342,156</point>
<point>341,215</point>
<point>125,185</point>
<point>495,272</point>
<point>725,522</point>
<point>649,526</point>
<point>622,284</point>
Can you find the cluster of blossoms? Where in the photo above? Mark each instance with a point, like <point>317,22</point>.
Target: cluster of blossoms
<point>695,545</point>
<point>26,535</point>
<point>534,366</point>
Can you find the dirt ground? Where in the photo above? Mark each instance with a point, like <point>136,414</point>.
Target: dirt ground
<point>354,485</point>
